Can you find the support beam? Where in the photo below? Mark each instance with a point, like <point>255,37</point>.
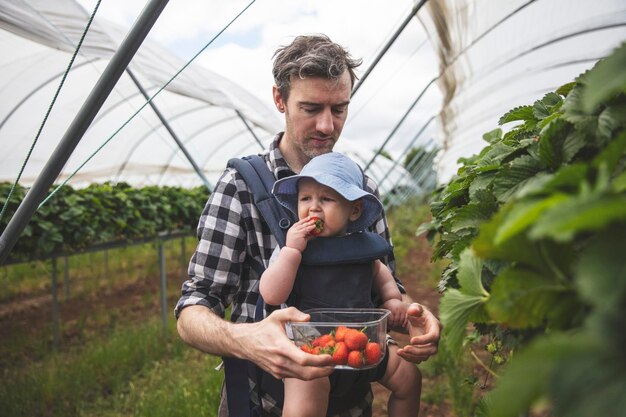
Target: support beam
<point>169,129</point>
<point>390,42</point>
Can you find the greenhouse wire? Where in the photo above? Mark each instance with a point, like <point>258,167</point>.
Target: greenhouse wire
<point>56,189</point>
<point>54,99</point>
<point>402,119</point>
<point>454,59</point>
<point>150,132</point>
<point>407,149</point>
<point>390,42</point>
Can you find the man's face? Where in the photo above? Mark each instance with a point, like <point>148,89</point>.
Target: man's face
<point>315,113</point>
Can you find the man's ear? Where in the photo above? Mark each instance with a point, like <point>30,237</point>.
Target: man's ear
<point>357,210</point>
<point>278,99</point>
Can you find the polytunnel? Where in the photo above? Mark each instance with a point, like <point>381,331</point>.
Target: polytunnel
<point>170,121</point>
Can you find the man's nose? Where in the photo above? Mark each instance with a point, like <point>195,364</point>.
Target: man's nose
<point>325,122</point>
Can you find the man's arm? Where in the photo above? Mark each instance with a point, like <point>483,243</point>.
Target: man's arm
<point>264,343</point>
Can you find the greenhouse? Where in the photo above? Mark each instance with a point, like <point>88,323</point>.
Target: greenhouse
<point>495,132</point>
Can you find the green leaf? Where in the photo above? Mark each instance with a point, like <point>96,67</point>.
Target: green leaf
<point>612,154</point>
<point>574,142</point>
<point>605,79</point>
<point>469,275</point>
<point>551,144</point>
<point>457,306</point>
<point>601,271</point>
<point>530,375</point>
<point>493,136</point>
<point>522,299</point>
<point>523,214</point>
<point>514,176</point>
<point>565,88</point>
<point>579,214</point>
<point>540,110</point>
<point>518,113</point>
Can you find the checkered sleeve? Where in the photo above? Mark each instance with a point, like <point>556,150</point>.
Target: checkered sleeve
<point>381,227</point>
<point>214,269</point>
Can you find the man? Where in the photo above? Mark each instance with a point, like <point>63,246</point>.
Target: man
<point>313,83</point>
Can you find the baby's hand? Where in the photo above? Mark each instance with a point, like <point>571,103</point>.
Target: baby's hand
<point>398,317</point>
<point>299,234</point>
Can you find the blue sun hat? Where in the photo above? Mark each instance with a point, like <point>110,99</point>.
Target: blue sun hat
<point>342,174</point>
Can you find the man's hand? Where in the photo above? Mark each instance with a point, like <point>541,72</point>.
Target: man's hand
<point>424,332</point>
<point>266,344</point>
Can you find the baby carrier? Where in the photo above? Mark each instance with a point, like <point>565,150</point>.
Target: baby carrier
<point>237,371</point>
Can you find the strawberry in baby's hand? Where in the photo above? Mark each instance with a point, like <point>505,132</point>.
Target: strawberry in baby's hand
<point>319,226</point>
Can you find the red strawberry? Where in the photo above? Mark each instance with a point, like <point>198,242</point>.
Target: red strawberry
<point>340,355</point>
<point>372,353</point>
<point>322,340</point>
<point>319,226</point>
<point>305,348</point>
<point>355,359</point>
<point>355,339</point>
<point>340,333</point>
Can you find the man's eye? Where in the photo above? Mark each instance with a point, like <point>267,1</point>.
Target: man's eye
<point>339,110</point>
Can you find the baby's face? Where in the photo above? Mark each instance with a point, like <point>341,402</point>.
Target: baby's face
<point>315,199</point>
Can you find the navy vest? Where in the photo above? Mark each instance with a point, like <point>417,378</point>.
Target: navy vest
<point>336,272</point>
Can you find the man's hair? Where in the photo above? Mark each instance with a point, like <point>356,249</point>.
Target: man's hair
<point>311,56</point>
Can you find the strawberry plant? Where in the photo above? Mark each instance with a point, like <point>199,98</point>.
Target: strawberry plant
<point>535,229</point>
<point>101,213</point>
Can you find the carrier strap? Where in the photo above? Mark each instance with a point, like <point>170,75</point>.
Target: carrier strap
<point>260,182</point>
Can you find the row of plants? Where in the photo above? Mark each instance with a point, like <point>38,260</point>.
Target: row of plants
<point>534,227</point>
<point>75,219</point>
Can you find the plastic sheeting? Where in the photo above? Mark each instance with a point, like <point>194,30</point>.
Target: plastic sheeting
<point>492,56</point>
<point>127,141</point>
<point>497,55</point>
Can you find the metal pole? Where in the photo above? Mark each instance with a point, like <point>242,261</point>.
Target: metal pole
<point>406,21</point>
<point>169,129</point>
<point>55,306</point>
<point>245,122</point>
<point>79,125</point>
<point>163,287</point>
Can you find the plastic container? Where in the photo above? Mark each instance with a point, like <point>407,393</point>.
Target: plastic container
<point>371,322</point>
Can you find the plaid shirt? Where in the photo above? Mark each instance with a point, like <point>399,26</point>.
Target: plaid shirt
<point>232,237</point>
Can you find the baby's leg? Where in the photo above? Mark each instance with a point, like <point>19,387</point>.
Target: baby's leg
<point>306,398</point>
<point>404,381</point>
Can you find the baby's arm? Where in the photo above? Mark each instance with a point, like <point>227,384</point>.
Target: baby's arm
<point>390,294</point>
<point>277,280</point>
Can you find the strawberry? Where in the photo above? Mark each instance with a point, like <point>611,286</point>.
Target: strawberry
<point>372,353</point>
<point>305,348</point>
<point>340,333</point>
<point>355,359</point>
<point>319,226</point>
<point>322,340</point>
<point>355,339</point>
<point>340,355</point>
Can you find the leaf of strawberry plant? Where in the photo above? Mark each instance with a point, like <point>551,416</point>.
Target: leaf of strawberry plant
<point>606,79</point>
<point>522,299</point>
<point>524,113</point>
<point>579,214</point>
